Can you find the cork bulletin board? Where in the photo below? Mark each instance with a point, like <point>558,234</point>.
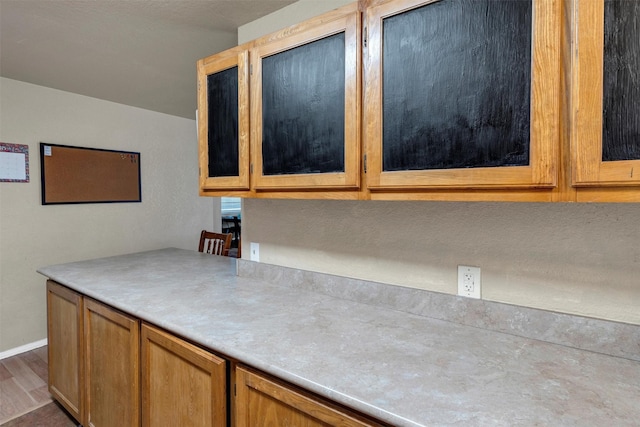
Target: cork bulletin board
<point>88,175</point>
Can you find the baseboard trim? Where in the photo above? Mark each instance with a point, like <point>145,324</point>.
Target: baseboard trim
<point>23,349</point>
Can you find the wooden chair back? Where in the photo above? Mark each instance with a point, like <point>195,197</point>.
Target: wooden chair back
<point>215,243</point>
<point>236,252</point>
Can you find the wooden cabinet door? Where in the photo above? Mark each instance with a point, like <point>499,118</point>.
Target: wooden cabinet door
<point>606,97</point>
<point>261,401</point>
<point>182,385</point>
<point>223,120</point>
<point>65,338</point>
<point>305,106</point>
<point>112,343</point>
<point>462,94</point>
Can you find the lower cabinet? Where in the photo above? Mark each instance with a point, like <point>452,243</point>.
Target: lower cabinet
<point>182,385</point>
<point>65,347</point>
<point>93,359</point>
<point>112,357</point>
<point>264,401</point>
<point>110,369</point>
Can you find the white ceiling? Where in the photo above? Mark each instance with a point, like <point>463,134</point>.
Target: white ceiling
<point>134,52</point>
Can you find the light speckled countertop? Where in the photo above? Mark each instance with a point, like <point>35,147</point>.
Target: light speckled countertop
<point>401,368</point>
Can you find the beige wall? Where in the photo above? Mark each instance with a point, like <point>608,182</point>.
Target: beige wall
<point>575,258</point>
<point>32,235</point>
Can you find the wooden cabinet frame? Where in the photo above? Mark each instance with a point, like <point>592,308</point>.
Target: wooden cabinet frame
<point>236,57</point>
<point>350,24</point>
<point>588,169</point>
<point>65,331</point>
<point>542,171</point>
<point>113,339</point>
<point>187,368</point>
<point>259,395</point>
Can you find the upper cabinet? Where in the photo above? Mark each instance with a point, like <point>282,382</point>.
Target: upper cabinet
<point>282,114</point>
<point>606,100</point>
<point>462,94</point>
<point>527,100</point>
<point>305,108</point>
<point>223,120</point>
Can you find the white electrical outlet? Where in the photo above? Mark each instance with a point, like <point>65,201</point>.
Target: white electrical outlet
<point>255,252</point>
<point>469,281</point>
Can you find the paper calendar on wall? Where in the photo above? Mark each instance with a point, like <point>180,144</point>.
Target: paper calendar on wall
<point>14,162</point>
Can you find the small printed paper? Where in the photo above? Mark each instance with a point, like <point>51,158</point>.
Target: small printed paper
<point>14,162</point>
<point>47,150</point>
<point>13,166</point>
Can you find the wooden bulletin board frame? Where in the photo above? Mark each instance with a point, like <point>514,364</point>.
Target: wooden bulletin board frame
<point>73,175</point>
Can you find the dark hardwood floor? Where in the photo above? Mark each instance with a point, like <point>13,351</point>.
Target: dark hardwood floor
<point>24,397</point>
